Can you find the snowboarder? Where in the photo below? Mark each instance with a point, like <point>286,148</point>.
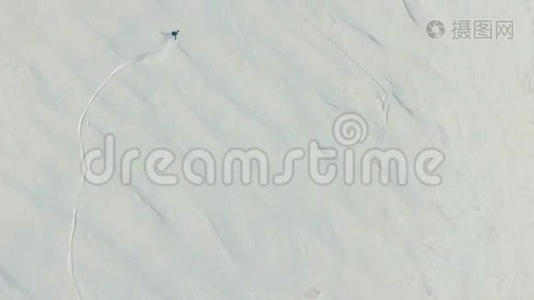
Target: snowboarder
<point>175,34</point>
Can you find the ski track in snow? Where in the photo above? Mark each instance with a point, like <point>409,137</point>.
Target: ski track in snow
<point>272,75</point>
<point>383,95</point>
<point>167,42</point>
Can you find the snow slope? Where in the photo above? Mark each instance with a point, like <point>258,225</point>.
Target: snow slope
<point>274,75</point>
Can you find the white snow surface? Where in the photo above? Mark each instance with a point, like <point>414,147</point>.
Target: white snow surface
<point>273,75</point>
